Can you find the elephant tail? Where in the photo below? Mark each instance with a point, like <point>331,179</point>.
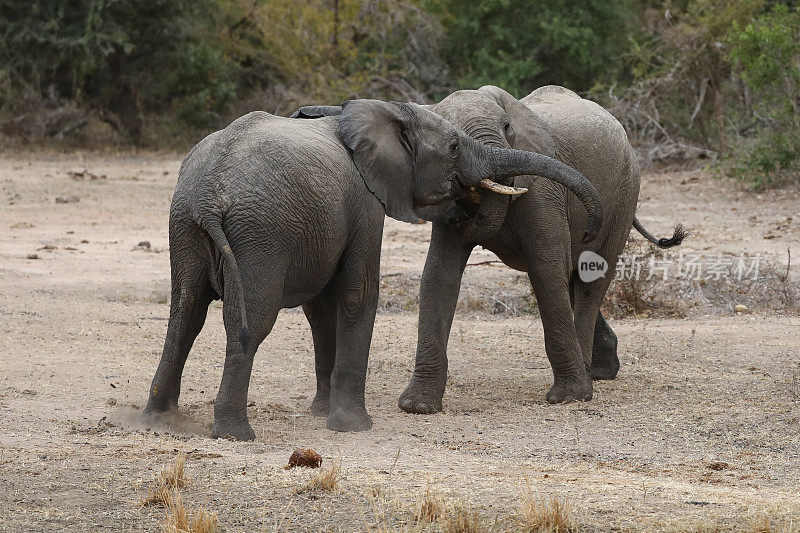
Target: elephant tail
<point>678,235</point>
<point>213,227</point>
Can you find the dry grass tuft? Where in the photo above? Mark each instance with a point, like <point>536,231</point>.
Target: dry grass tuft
<point>175,474</point>
<point>643,298</point>
<point>177,519</point>
<point>158,495</point>
<point>510,296</point>
<point>546,515</point>
<point>460,518</point>
<point>326,480</point>
<point>166,492</point>
<point>769,523</point>
<point>774,290</point>
<point>430,507</point>
<point>168,481</point>
<point>541,515</point>
<point>761,526</point>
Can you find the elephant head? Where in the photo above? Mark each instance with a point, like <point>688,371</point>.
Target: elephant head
<point>495,118</point>
<point>411,158</point>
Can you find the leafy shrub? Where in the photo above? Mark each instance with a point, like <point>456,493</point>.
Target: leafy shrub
<point>767,54</point>
<point>117,58</point>
<point>687,78</point>
<point>521,45</point>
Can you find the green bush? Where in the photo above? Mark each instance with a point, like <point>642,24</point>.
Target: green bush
<point>767,54</point>
<point>117,58</point>
<point>522,44</point>
<point>687,78</point>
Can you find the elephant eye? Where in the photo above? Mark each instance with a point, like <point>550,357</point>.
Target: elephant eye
<point>454,146</point>
<point>509,130</point>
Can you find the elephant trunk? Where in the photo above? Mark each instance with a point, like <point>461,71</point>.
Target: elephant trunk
<point>491,163</point>
<point>493,202</point>
<point>486,222</point>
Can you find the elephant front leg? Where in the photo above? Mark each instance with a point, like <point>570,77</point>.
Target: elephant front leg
<point>571,380</point>
<point>357,295</point>
<point>548,255</point>
<point>438,295</point>
<point>605,363</point>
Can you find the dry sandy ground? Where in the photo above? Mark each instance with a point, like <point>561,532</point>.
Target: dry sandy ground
<point>699,430</point>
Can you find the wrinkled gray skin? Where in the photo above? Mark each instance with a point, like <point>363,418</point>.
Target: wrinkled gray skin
<point>273,212</point>
<point>539,233</point>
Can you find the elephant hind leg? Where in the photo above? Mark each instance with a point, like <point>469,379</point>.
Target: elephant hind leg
<point>598,341</point>
<point>191,295</point>
<point>321,315</point>
<point>263,302</point>
<point>605,363</point>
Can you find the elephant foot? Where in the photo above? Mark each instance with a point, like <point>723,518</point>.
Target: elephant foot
<point>605,368</point>
<point>605,363</point>
<point>161,415</point>
<point>570,390</point>
<point>321,405</point>
<point>343,420</point>
<point>421,399</point>
<point>154,413</point>
<point>232,429</point>
<point>158,405</point>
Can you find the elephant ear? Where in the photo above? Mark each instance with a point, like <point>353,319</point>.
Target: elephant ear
<point>379,137</point>
<point>317,111</point>
<point>532,134</point>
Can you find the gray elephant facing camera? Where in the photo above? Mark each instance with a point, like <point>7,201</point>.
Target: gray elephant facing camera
<point>539,233</point>
<point>273,212</point>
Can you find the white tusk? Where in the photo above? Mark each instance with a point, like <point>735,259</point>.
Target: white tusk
<point>501,189</point>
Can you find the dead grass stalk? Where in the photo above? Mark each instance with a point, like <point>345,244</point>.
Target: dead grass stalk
<point>168,481</point>
<point>178,518</point>
<point>544,515</point>
<point>166,492</point>
<point>460,518</point>
<point>326,480</point>
<point>430,507</point>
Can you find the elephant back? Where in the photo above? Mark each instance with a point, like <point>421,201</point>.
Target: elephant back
<point>586,135</point>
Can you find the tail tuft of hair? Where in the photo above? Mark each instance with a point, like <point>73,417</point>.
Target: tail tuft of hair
<point>678,235</point>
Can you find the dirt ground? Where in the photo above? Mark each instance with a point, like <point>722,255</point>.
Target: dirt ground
<point>700,430</point>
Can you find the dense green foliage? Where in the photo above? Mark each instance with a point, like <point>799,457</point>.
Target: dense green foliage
<point>135,63</point>
<point>767,53</point>
<point>523,44</point>
<point>118,57</point>
<point>688,78</point>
